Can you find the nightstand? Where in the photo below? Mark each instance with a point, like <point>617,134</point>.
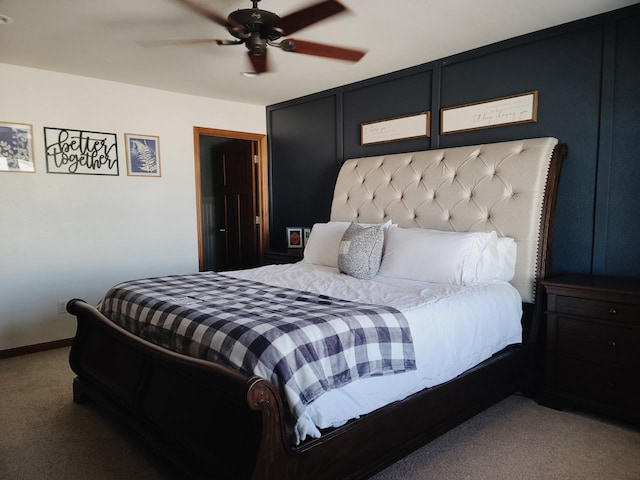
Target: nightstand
<point>290,255</point>
<point>593,345</point>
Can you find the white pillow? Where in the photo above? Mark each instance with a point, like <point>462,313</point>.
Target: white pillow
<point>459,258</point>
<point>507,251</point>
<point>323,244</point>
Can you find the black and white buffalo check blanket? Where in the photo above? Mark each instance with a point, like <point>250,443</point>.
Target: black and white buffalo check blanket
<point>303,342</point>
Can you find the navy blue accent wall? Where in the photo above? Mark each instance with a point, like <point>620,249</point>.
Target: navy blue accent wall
<point>305,167</point>
<point>565,70</point>
<point>617,247</point>
<point>409,93</point>
<point>587,75</point>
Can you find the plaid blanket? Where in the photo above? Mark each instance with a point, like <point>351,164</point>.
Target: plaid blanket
<point>303,342</point>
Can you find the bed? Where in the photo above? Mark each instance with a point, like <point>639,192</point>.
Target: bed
<point>218,419</point>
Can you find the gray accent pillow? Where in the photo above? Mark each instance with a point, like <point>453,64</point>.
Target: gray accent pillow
<point>360,251</point>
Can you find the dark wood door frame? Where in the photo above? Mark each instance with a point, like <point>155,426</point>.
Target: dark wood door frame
<point>263,183</point>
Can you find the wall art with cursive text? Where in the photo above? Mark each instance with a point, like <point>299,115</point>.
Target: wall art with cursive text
<point>81,152</point>
<point>397,128</point>
<point>498,112</point>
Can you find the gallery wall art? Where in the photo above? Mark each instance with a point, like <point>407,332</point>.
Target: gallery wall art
<point>81,152</point>
<point>16,147</point>
<point>143,155</point>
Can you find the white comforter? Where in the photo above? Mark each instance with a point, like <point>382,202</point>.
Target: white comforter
<point>453,327</point>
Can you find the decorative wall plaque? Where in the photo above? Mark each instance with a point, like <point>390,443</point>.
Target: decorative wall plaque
<point>498,112</point>
<point>398,128</point>
<point>81,152</point>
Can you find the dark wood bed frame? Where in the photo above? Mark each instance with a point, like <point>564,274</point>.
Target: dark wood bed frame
<point>216,423</point>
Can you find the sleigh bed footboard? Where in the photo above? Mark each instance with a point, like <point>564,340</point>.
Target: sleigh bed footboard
<point>209,420</point>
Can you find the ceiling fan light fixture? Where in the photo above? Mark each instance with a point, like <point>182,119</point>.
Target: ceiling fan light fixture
<point>256,44</point>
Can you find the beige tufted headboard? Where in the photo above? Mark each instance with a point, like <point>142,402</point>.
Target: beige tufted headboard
<point>499,186</point>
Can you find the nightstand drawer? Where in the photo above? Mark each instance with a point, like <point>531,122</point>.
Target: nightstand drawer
<point>583,307</point>
<point>611,386</point>
<point>613,344</point>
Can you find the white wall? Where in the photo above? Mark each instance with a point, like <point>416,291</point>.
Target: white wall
<point>66,236</point>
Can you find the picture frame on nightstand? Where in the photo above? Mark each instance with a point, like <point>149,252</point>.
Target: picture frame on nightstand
<point>295,237</point>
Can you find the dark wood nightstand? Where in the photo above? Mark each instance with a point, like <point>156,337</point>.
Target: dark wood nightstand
<point>593,345</point>
<point>290,255</point>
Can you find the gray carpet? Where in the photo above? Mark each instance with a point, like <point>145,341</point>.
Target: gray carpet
<point>44,435</point>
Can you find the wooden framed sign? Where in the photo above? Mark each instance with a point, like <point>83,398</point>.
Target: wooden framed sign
<point>497,112</point>
<point>397,128</point>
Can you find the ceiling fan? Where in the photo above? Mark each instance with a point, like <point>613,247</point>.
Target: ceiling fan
<point>257,29</point>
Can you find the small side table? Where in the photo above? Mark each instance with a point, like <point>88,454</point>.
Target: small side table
<point>593,345</point>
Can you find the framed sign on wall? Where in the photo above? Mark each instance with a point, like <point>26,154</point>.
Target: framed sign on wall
<point>397,128</point>
<point>497,112</point>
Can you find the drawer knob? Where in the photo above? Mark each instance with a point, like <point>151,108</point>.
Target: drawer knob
<point>611,343</point>
<point>613,311</point>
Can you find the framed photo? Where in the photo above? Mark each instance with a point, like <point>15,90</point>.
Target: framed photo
<point>307,234</point>
<point>294,237</point>
<point>16,147</point>
<point>143,155</point>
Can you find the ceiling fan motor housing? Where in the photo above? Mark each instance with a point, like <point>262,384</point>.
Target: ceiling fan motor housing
<point>254,20</point>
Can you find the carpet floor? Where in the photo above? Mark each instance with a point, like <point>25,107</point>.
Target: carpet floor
<point>44,435</point>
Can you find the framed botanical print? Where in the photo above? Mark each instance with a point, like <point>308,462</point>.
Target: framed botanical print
<point>143,155</point>
<point>16,147</point>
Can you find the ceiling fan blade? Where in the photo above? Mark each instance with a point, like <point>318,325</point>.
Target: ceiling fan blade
<point>259,62</point>
<point>169,43</point>
<point>307,16</point>
<point>207,12</point>
<point>322,50</point>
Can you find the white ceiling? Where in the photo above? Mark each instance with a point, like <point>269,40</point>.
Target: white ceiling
<point>100,39</point>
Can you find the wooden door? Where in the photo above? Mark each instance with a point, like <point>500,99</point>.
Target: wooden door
<point>234,198</point>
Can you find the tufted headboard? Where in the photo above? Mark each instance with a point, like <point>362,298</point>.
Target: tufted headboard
<point>499,186</point>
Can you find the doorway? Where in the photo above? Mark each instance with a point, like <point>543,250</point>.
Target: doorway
<point>231,198</point>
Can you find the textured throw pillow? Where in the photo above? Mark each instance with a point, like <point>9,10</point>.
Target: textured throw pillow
<point>361,250</point>
<point>324,242</point>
